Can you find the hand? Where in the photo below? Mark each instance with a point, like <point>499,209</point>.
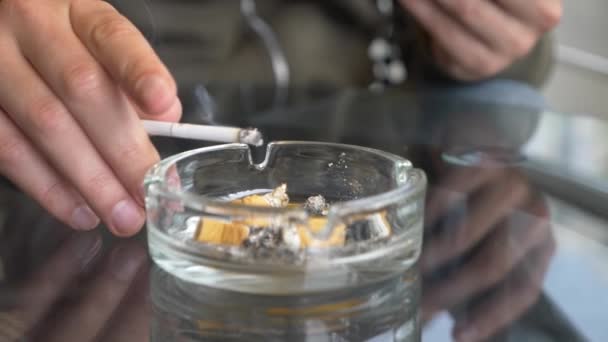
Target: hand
<point>55,304</point>
<point>76,77</point>
<point>476,39</point>
<point>500,244</point>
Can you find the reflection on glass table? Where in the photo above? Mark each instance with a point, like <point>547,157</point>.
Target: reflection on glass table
<point>80,292</point>
<point>501,258</point>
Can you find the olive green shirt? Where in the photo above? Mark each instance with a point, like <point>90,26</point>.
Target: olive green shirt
<point>325,42</point>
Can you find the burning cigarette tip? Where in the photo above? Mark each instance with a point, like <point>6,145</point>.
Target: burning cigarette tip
<point>251,136</point>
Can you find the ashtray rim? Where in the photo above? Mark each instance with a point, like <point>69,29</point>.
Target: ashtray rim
<point>414,184</point>
<point>416,180</point>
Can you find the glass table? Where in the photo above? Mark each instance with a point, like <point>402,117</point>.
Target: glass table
<point>516,236</point>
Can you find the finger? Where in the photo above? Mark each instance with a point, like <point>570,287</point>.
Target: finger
<point>509,302</point>
<point>47,285</point>
<point>132,322</point>
<point>98,105</point>
<point>23,165</point>
<point>494,203</point>
<point>465,50</point>
<point>127,56</point>
<point>100,108</point>
<point>503,33</point>
<point>99,302</point>
<point>455,188</point>
<point>53,130</point>
<point>507,247</point>
<point>543,15</point>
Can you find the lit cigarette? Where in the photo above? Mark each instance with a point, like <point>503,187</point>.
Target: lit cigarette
<point>250,136</point>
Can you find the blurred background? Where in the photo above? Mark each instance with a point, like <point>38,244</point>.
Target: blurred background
<point>579,85</point>
<point>580,80</point>
<point>578,143</point>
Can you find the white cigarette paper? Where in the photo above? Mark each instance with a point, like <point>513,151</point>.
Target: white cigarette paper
<point>223,134</point>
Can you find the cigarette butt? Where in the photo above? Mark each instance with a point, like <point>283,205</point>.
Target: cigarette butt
<point>380,225</point>
<point>222,233</point>
<point>258,222</point>
<point>314,310</point>
<point>234,233</point>
<point>253,200</point>
<point>277,199</point>
<point>315,225</point>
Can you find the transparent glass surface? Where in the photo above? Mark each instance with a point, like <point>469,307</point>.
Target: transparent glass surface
<point>360,184</point>
<point>515,238</point>
<point>384,311</point>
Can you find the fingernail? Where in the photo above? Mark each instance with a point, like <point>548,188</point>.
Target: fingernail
<point>155,94</point>
<point>127,217</point>
<point>466,334</point>
<point>125,262</point>
<point>83,218</point>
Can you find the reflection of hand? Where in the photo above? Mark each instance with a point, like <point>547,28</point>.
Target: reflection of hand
<point>505,242</point>
<point>76,77</point>
<point>109,307</point>
<point>475,39</point>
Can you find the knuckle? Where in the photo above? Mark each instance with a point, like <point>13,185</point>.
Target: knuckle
<point>135,149</point>
<point>99,180</point>
<point>109,27</point>
<point>25,10</point>
<point>137,69</point>
<point>550,14</point>
<point>47,115</point>
<point>11,150</point>
<point>142,155</point>
<point>53,193</point>
<point>82,80</point>
<point>130,151</point>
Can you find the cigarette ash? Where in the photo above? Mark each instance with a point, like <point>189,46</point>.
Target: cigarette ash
<point>278,198</point>
<point>273,242</point>
<point>251,136</point>
<point>260,238</point>
<point>317,205</point>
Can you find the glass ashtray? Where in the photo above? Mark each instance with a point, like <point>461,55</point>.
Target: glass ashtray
<point>206,225</point>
